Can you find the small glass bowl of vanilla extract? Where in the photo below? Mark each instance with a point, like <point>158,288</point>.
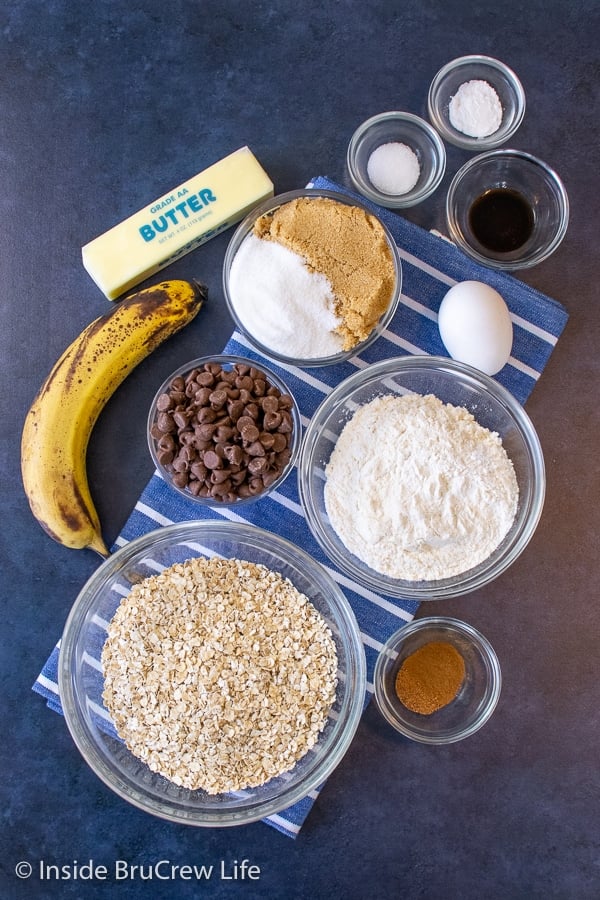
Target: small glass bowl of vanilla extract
<point>507,209</point>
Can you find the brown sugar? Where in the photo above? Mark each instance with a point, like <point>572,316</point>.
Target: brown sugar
<point>430,678</point>
<point>349,247</point>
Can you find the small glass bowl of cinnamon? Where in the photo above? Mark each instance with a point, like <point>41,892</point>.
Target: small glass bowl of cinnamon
<point>437,680</point>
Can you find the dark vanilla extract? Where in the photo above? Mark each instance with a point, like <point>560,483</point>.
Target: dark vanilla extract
<point>501,219</point>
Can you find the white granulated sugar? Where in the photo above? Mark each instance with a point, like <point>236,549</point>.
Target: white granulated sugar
<point>393,168</point>
<point>475,109</point>
<point>281,302</point>
<point>418,490</point>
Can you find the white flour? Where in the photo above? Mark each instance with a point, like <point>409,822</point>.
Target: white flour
<point>475,109</point>
<point>417,489</point>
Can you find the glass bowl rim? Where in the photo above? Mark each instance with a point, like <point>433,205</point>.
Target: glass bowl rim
<point>411,198</point>
<point>535,161</point>
<point>277,381</point>
<point>164,808</point>
<point>244,228</point>
<point>458,626</point>
<point>464,141</point>
<point>444,588</point>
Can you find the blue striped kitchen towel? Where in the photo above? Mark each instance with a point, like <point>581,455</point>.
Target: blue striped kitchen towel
<point>430,265</point>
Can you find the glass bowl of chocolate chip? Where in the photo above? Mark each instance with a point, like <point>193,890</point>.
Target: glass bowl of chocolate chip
<point>224,430</point>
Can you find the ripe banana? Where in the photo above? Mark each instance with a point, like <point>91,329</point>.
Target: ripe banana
<point>58,425</point>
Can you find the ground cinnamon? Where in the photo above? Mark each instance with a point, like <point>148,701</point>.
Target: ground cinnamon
<point>430,678</point>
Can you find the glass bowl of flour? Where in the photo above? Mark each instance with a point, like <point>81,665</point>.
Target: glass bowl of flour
<point>311,277</point>
<point>476,102</point>
<point>421,478</point>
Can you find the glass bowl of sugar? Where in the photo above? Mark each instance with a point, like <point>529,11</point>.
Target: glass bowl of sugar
<point>396,159</point>
<point>311,278</point>
<point>476,102</point>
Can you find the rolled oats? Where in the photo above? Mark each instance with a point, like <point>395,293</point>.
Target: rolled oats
<point>218,673</point>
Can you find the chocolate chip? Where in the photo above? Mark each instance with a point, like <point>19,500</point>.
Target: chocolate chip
<point>252,410</point>
<point>255,449</point>
<point>166,442</point>
<point>218,399</point>
<point>245,382</point>
<point>164,402</point>
<point>165,422</point>
<point>269,404</point>
<point>206,431</point>
<point>201,397</point>
<point>186,436</point>
<point>223,433</point>
<point>234,453</point>
<point>199,471</point>
<point>269,477</point>
<point>180,418</point>
<point>279,442</point>
<point>206,414</point>
<point>272,421</point>
<point>267,439</point>
<point>258,465</point>
<point>249,433</point>
<point>260,387</point>
<point>235,409</point>
<point>244,422</point>
<point>189,453</point>
<point>211,460</point>
<point>218,476</point>
<point>286,423</point>
<point>221,488</point>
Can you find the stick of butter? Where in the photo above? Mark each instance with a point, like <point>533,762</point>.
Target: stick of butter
<point>176,223</point>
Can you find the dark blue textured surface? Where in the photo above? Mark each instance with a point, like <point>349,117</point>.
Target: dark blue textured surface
<point>104,106</point>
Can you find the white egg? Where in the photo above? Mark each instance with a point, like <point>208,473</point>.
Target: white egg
<point>475,326</point>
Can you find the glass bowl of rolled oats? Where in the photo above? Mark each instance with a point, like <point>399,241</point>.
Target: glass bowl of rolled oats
<point>212,673</point>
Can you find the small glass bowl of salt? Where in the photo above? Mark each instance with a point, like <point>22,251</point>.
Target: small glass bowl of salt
<point>396,159</point>
<point>476,102</point>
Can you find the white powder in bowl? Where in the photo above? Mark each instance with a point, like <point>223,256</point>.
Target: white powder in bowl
<point>393,168</point>
<point>418,490</point>
<point>287,307</point>
<point>475,109</point>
